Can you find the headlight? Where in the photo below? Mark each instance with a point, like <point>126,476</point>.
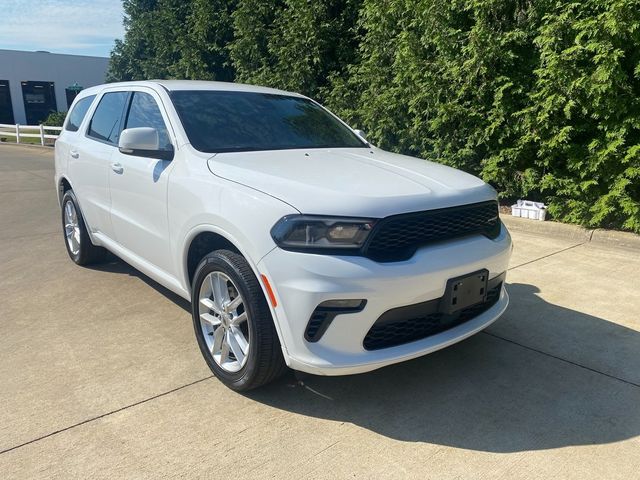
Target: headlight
<point>310,232</point>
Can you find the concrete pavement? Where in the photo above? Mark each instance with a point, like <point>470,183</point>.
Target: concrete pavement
<point>101,376</point>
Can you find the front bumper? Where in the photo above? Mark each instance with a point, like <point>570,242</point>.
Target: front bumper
<point>302,281</point>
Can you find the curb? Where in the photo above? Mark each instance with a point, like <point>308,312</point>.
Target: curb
<point>577,233</point>
<point>27,145</point>
<point>617,239</point>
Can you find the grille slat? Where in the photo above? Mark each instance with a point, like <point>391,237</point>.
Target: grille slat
<point>398,237</point>
<point>397,331</point>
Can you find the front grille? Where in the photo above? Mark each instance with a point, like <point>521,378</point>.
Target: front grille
<point>397,237</point>
<point>415,322</point>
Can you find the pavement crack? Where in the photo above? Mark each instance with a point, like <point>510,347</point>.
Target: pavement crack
<point>117,410</point>
<point>570,362</point>
<point>547,256</point>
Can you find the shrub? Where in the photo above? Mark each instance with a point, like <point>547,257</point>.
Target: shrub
<point>55,119</point>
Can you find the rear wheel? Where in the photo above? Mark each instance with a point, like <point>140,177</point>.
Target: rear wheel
<point>77,240</point>
<point>233,324</point>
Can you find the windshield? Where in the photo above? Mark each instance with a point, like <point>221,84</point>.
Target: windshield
<point>223,121</point>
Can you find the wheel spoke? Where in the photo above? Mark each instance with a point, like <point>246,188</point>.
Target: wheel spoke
<point>210,305</point>
<point>224,351</point>
<point>219,289</point>
<point>239,319</point>
<point>210,319</point>
<point>234,304</point>
<point>237,342</point>
<point>218,338</point>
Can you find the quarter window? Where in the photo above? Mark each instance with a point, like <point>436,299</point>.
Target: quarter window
<point>144,112</point>
<point>105,124</point>
<point>78,113</point>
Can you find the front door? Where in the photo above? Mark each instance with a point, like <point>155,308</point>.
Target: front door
<point>139,189</point>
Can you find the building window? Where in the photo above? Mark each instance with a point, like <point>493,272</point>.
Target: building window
<point>39,101</point>
<point>6,107</point>
<point>72,92</point>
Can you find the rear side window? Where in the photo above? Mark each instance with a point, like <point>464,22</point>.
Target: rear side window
<point>78,113</point>
<point>105,124</point>
<point>144,112</point>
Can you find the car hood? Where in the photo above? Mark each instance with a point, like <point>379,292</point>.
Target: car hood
<point>351,182</point>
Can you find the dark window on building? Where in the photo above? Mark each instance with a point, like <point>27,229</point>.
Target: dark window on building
<point>77,113</point>
<point>144,112</point>
<point>39,101</point>
<point>6,107</point>
<point>105,124</point>
<point>72,92</point>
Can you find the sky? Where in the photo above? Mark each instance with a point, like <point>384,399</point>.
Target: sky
<point>79,27</point>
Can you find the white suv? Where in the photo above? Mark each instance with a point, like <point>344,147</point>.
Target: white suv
<point>297,242</point>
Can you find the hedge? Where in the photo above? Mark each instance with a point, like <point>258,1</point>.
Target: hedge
<point>540,99</point>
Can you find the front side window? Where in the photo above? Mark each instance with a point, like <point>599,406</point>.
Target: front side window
<point>78,113</point>
<point>144,112</point>
<point>105,124</point>
<point>224,121</point>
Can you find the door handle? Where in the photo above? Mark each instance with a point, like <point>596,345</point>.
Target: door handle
<point>74,154</point>
<point>118,168</point>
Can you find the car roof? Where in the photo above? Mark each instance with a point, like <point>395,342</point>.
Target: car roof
<point>174,85</point>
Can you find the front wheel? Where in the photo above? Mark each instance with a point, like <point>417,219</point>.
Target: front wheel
<point>233,324</point>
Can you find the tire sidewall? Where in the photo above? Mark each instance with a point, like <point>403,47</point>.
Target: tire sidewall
<point>218,262</point>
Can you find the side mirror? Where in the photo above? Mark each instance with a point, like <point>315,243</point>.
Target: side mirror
<point>361,134</point>
<point>143,142</point>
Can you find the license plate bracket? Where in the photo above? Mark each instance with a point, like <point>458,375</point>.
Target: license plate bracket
<point>464,291</point>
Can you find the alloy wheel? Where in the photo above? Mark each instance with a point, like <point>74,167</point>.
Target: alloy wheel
<point>72,227</point>
<point>224,321</point>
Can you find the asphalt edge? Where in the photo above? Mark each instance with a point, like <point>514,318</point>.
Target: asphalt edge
<point>598,236</point>
<point>28,145</point>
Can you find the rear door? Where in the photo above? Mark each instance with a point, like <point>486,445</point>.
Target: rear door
<point>90,160</point>
<point>71,134</point>
<point>139,186</point>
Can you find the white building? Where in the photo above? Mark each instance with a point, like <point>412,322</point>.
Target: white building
<point>33,84</point>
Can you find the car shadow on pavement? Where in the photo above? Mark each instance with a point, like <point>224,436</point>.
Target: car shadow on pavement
<point>113,264</point>
<point>491,394</point>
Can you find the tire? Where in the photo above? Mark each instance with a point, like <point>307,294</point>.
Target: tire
<point>261,361</point>
<point>79,248</point>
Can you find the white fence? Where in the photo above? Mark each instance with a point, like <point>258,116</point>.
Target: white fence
<point>18,132</point>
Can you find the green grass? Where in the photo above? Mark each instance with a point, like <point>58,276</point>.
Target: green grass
<point>25,140</point>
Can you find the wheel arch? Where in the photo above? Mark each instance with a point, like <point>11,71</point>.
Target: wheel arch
<point>63,186</point>
<point>222,239</point>
<point>206,238</point>
<point>201,244</point>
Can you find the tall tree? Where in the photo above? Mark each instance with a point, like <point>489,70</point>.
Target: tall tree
<point>174,39</point>
<point>294,44</point>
